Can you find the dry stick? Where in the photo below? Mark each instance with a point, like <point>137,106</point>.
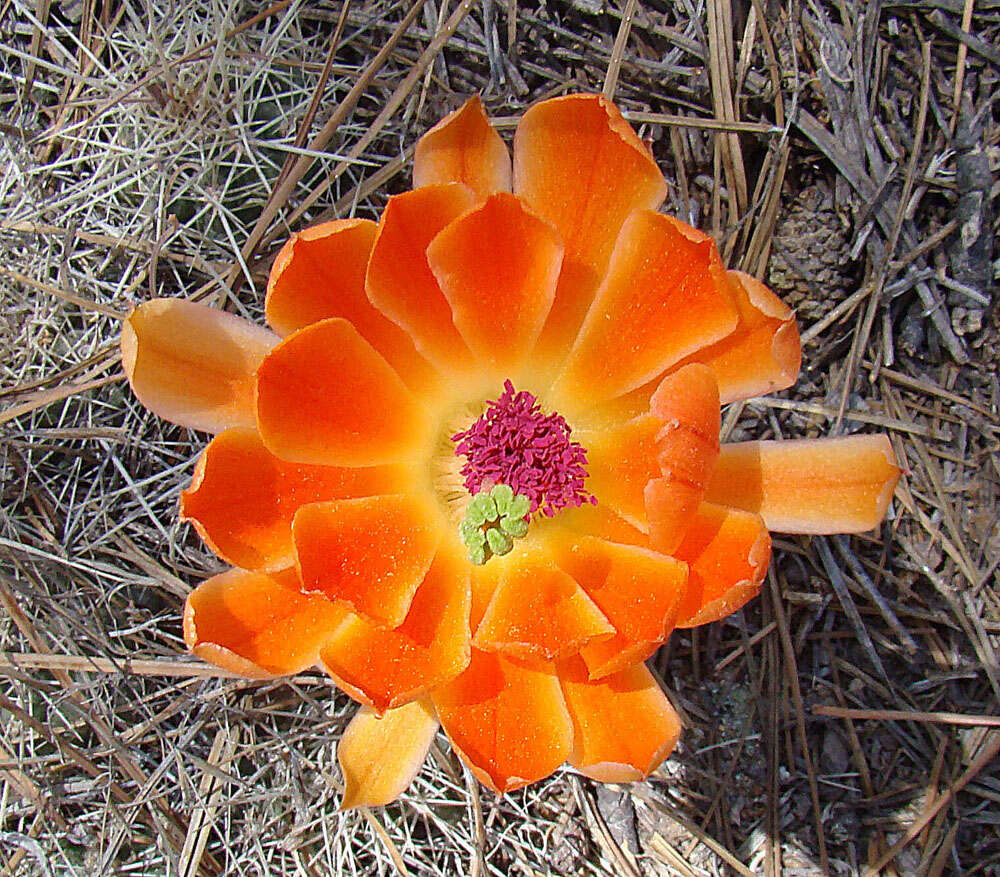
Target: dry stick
<point>618,50</point>
<point>791,666</point>
<point>42,17</point>
<point>313,108</point>
<point>963,719</point>
<point>963,51</point>
<point>982,760</point>
<point>47,397</point>
<point>71,297</point>
<point>280,194</point>
<point>91,664</point>
<point>860,340</point>
<point>393,104</point>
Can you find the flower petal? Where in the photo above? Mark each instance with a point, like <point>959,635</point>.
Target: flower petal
<point>381,755</point>
<point>637,590</point>
<point>242,498</point>
<point>507,720</point>
<point>580,166</point>
<point>688,403</point>
<point>463,148</point>
<point>193,365</point>
<point>387,668</point>
<point>623,724</point>
<point>324,396</point>
<point>835,485</point>
<point>728,551</point>
<point>257,625</point>
<point>662,299</point>
<point>764,352</point>
<point>399,281</point>
<point>538,611</point>
<point>621,460</point>
<point>320,273</point>
<point>498,265</point>
<point>370,553</point>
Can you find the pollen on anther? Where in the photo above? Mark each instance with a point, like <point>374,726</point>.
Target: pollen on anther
<point>513,442</point>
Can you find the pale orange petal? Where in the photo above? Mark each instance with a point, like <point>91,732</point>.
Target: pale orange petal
<point>463,148</point>
<point>659,302</point>
<point>498,266</point>
<point>637,590</point>
<point>507,720</point>
<point>320,273</point>
<point>623,724</point>
<point>258,625</point>
<point>763,354</point>
<point>242,498</point>
<point>387,668</point>
<point>371,553</point>
<point>192,364</point>
<point>728,552</point>
<point>399,281</point>
<point>538,611</point>
<point>836,485</point>
<point>580,166</point>
<point>380,756</point>
<point>326,397</point>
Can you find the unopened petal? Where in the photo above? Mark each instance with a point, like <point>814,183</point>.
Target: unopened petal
<point>381,755</point>
<point>463,148</point>
<point>193,365</point>
<point>835,485</point>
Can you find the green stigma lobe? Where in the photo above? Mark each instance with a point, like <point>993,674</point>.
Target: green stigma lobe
<point>492,521</point>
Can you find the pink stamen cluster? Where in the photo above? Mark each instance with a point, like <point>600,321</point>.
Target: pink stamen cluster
<point>514,443</point>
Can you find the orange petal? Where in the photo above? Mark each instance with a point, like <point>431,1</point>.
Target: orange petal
<point>387,668</point>
<point>621,460</point>
<point>658,303</point>
<point>688,403</point>
<point>324,396</point>
<point>580,166</point>
<point>623,724</point>
<point>764,352</point>
<point>370,553</point>
<point>257,625</point>
<point>320,273</point>
<point>600,521</point>
<point>399,281</point>
<point>192,364</point>
<point>728,552</point>
<point>507,721</point>
<point>463,148</point>
<point>380,756</point>
<point>498,266</point>
<point>636,589</point>
<point>242,498</point>
<point>836,485</point>
<point>538,611</point>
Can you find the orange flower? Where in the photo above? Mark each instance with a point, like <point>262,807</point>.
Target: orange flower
<point>475,470</point>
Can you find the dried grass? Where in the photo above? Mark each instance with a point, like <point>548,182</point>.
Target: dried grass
<point>846,720</point>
